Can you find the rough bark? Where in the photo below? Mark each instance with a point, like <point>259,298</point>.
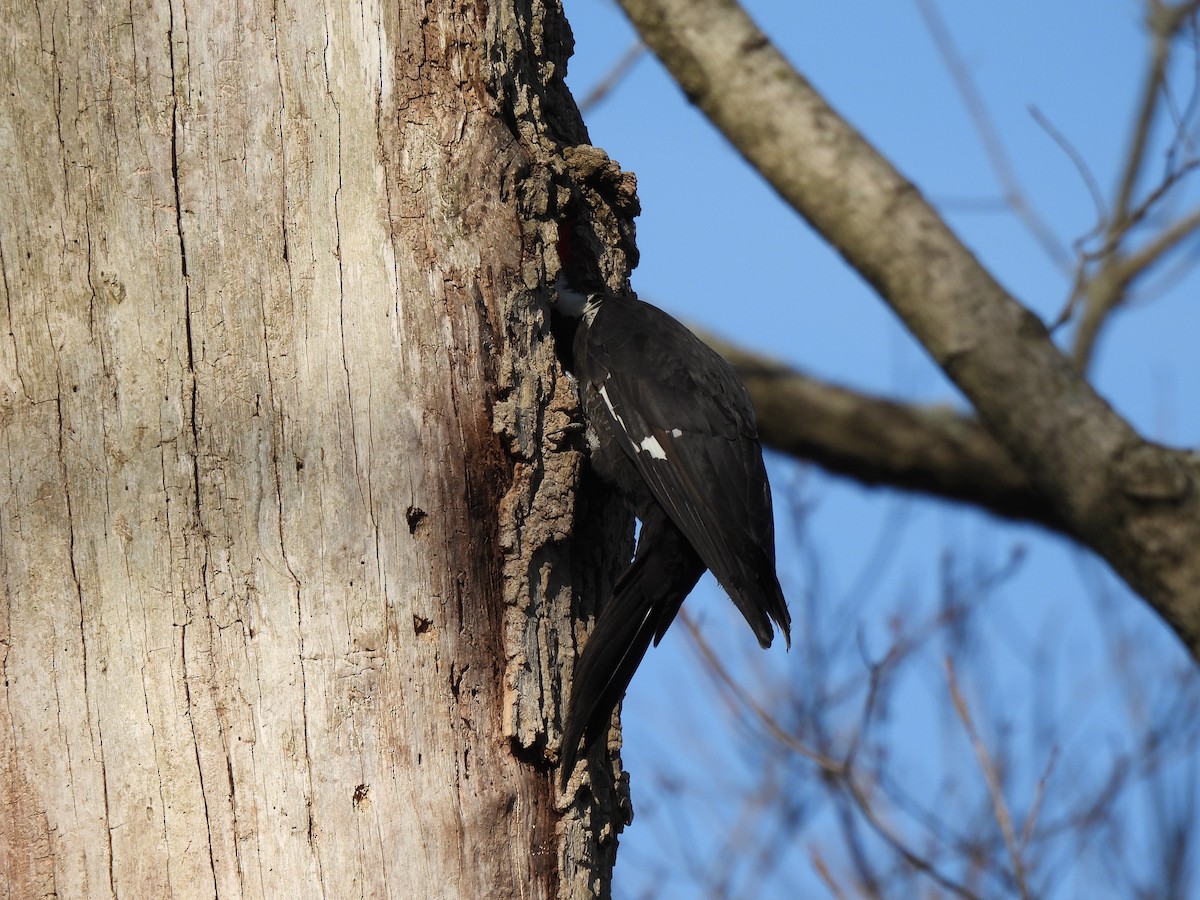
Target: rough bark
<point>284,535</point>
<point>1135,503</point>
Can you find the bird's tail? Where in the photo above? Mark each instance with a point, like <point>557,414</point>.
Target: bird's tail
<point>644,603</point>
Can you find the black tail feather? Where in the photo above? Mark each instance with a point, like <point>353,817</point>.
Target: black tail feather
<point>644,603</point>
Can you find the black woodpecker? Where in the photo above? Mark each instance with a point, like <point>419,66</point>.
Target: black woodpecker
<point>671,428</point>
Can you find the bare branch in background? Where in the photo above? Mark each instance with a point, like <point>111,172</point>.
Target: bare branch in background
<point>606,85</point>
<point>992,777</point>
<point>1106,289</point>
<point>1039,798</point>
<point>993,146</point>
<point>1077,160</point>
<point>833,733</point>
<point>1161,34</point>
<point>929,449</point>
<point>825,875</point>
<point>840,772</point>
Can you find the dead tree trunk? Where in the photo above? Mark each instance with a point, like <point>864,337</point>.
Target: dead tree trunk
<point>284,568</point>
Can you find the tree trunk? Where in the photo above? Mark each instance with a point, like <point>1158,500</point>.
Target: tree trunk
<point>284,567</point>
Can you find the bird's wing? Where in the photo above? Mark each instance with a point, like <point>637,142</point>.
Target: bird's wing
<point>685,420</point>
<point>644,602</point>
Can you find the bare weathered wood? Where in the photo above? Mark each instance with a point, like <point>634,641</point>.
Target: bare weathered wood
<point>283,526</point>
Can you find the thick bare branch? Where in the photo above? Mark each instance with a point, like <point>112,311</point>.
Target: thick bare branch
<point>930,449</point>
<point>1135,503</point>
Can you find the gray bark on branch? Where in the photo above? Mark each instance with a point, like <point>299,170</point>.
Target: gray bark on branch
<point>881,442</point>
<point>1133,502</point>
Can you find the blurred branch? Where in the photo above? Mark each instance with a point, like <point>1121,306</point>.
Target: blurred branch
<point>825,875</point>
<point>1161,30</point>
<point>930,449</point>
<point>993,146</point>
<point>842,772</point>
<point>606,85</point>
<point>1076,158</point>
<point>1135,503</point>
<point>1039,797</point>
<point>992,777</point>
<point>1134,265</point>
<point>883,838</point>
<point>713,662</point>
<point>1107,290</point>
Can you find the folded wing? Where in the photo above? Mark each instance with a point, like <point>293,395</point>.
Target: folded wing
<point>685,421</point>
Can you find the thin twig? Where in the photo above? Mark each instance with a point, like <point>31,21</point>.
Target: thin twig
<point>1039,796</point>
<point>1076,158</point>
<point>999,806</point>
<point>1147,113</point>
<point>606,85</point>
<point>1136,264</point>
<point>827,763</point>
<point>1107,289</point>
<point>838,771</point>
<point>1181,117</point>
<point>1139,214</point>
<point>824,874</point>
<point>990,138</point>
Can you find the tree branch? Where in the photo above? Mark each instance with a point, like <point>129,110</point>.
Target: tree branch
<point>931,449</point>
<point>991,777</point>
<point>1108,289</point>
<point>1135,503</point>
<point>606,85</point>
<point>1147,113</point>
<point>989,137</point>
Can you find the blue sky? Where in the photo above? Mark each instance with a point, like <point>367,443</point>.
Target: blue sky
<point>718,248</point>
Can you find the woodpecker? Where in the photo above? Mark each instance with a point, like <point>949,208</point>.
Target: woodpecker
<point>671,429</point>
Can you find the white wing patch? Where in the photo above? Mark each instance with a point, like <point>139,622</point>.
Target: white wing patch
<point>649,443</point>
<point>611,409</point>
<point>653,447</point>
